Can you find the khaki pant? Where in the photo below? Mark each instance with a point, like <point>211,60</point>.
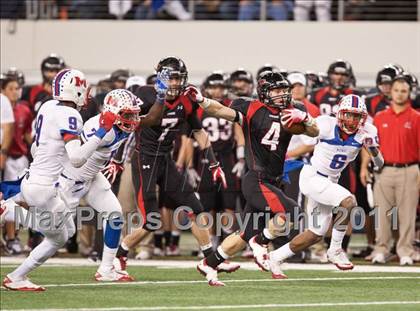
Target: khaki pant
<point>396,187</point>
<point>126,194</point>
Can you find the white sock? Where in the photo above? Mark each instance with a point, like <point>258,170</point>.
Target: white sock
<point>108,256</point>
<point>124,246</point>
<point>337,238</point>
<point>222,252</point>
<point>282,253</point>
<point>37,257</point>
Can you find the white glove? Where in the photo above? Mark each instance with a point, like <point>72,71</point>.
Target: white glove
<point>193,177</point>
<point>239,168</point>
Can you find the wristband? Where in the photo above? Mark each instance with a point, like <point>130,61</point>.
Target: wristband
<point>240,152</point>
<point>205,103</point>
<point>101,132</point>
<point>160,99</point>
<point>310,121</point>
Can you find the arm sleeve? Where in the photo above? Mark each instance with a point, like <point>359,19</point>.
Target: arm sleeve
<point>78,153</point>
<point>241,106</point>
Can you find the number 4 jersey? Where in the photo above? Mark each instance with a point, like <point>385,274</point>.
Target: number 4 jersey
<point>266,140</point>
<point>332,154</point>
<point>53,122</point>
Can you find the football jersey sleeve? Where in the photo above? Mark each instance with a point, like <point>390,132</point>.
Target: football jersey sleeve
<point>325,125</point>
<point>147,95</point>
<point>371,132</point>
<point>241,105</point>
<point>69,121</point>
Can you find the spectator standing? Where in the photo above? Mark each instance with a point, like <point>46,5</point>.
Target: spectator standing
<point>398,183</point>
<point>303,8</point>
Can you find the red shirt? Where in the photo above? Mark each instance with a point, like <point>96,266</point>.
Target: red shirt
<point>399,135</point>
<point>313,110</point>
<point>23,122</point>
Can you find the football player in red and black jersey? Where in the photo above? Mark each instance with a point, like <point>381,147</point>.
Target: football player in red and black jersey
<point>224,136</point>
<point>152,162</point>
<point>264,122</point>
<point>39,93</point>
<point>340,80</point>
<point>380,100</point>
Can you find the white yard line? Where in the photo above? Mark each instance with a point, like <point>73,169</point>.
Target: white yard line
<point>232,307</point>
<point>10,262</point>
<point>181,282</point>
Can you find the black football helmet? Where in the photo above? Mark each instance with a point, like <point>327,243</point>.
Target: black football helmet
<point>17,74</point>
<point>120,75</point>
<point>344,68</point>
<point>241,75</point>
<point>267,67</point>
<point>177,70</point>
<point>216,78</point>
<point>270,80</point>
<point>386,75</point>
<point>52,62</point>
<point>314,81</point>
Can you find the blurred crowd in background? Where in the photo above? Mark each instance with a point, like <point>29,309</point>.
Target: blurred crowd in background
<point>281,10</point>
<point>319,92</point>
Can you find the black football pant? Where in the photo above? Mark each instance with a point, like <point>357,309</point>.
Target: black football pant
<point>149,171</point>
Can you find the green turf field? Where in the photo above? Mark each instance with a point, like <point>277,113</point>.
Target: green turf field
<point>73,288</point>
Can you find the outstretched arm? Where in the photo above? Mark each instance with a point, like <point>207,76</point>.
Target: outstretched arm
<point>213,107</point>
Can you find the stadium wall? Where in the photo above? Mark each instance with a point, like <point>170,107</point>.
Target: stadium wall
<point>98,47</point>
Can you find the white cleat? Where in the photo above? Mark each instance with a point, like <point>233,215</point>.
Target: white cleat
<point>113,276</point>
<point>379,258</point>
<point>406,261</point>
<point>228,267</point>
<point>339,258</point>
<point>260,254</point>
<point>276,271</point>
<point>23,285</point>
<point>209,273</point>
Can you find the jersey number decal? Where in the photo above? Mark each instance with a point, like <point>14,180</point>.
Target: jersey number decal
<point>168,123</point>
<point>218,129</point>
<point>338,161</point>
<point>327,109</point>
<point>272,137</point>
<point>72,123</point>
<point>38,126</point>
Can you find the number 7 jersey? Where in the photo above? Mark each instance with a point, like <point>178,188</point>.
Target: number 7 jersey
<point>53,122</point>
<point>332,154</point>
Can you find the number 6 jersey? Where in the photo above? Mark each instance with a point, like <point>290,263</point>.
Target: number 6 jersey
<point>332,154</point>
<point>54,121</point>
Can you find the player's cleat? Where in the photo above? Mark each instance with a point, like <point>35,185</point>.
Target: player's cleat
<point>209,273</point>
<point>228,267</point>
<point>406,261</point>
<point>275,267</point>
<point>172,250</point>
<point>158,252</point>
<point>260,254</point>
<point>113,276</point>
<point>23,285</point>
<point>379,258</point>
<point>339,258</point>
<point>120,264</point>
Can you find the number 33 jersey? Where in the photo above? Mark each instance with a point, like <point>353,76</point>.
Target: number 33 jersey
<point>332,154</point>
<point>54,121</point>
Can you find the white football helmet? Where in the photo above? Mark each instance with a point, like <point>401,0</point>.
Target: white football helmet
<point>126,106</point>
<point>352,113</point>
<point>71,85</point>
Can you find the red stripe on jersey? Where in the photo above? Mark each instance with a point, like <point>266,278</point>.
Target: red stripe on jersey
<point>140,199</point>
<point>272,200</point>
<point>187,104</point>
<point>252,109</point>
<point>321,93</point>
<point>200,113</point>
<point>67,137</point>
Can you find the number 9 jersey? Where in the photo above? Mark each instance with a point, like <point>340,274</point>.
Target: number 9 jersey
<point>53,123</point>
<point>332,154</point>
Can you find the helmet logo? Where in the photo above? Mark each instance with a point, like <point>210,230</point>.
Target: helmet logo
<point>80,82</point>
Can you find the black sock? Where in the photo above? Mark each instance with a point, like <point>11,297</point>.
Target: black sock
<point>167,237</point>
<point>327,240</point>
<point>122,252</point>
<point>207,252</point>
<point>158,235</point>
<point>175,238</point>
<point>346,242</point>
<point>214,259</point>
<point>262,239</point>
